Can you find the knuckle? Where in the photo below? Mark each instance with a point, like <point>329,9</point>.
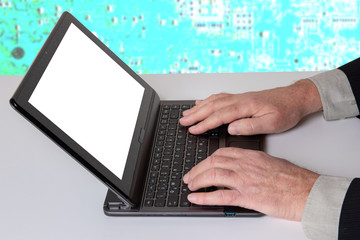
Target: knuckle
<point>233,109</point>
<point>216,96</point>
<point>210,107</point>
<point>211,161</point>
<point>252,102</point>
<point>213,174</point>
<point>256,155</point>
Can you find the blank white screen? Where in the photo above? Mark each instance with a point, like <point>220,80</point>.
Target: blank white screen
<point>91,98</point>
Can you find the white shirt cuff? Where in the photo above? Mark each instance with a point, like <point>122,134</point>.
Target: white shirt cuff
<point>336,95</point>
<point>321,215</point>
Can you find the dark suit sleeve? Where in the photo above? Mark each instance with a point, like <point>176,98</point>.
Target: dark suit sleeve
<point>352,72</point>
<point>349,226</point>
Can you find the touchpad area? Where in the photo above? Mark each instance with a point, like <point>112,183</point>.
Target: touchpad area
<point>254,145</point>
<point>247,142</point>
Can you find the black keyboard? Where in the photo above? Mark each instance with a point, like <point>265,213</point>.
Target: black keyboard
<point>175,152</point>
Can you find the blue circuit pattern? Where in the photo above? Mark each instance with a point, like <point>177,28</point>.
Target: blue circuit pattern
<point>188,36</point>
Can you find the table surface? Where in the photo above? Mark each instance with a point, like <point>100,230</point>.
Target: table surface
<point>45,194</point>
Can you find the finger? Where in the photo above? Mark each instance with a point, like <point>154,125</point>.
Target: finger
<point>198,113</point>
<point>231,153</point>
<point>213,161</point>
<point>204,108</point>
<point>219,116</point>
<point>256,125</point>
<point>193,109</point>
<point>213,177</point>
<point>250,126</point>
<point>220,197</point>
<point>199,103</point>
<point>212,98</point>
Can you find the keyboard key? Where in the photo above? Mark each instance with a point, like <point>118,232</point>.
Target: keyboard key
<point>161,195</point>
<point>170,139</point>
<point>172,126</point>
<point>163,179</point>
<point>173,201</point>
<point>185,190</point>
<point>174,191</point>
<point>190,153</point>
<point>179,148</point>
<point>180,142</point>
<point>160,203</point>
<point>184,202</point>
<point>164,172</point>
<point>175,107</point>
<point>150,194</point>
<point>168,152</point>
<point>148,203</point>
<point>154,174</point>
<point>185,106</point>
<point>188,167</point>
<point>152,181</point>
<point>174,114</point>
<point>201,156</point>
<point>165,166</point>
<point>178,161</point>
<point>159,143</point>
<point>172,121</point>
<point>169,145</point>
<point>175,183</point>
<point>190,160</point>
<point>166,159</point>
<point>155,167</point>
<point>177,168</point>
<point>159,149</point>
<point>176,175</point>
<point>202,150</point>
<point>179,155</point>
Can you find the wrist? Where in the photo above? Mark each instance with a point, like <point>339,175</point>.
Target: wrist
<point>307,96</point>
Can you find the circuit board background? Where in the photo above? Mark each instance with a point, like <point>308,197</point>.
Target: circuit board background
<point>207,36</point>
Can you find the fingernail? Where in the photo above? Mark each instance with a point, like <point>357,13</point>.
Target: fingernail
<point>191,197</point>
<point>193,128</point>
<point>183,121</point>
<point>186,177</point>
<point>233,130</point>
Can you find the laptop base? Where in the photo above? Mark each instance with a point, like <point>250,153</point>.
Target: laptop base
<point>114,207</point>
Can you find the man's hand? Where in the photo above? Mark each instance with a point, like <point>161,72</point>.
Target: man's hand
<point>268,111</point>
<point>254,180</point>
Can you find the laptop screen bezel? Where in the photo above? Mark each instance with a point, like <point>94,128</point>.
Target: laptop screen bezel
<point>127,187</point>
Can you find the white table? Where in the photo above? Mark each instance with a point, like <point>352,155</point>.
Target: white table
<point>45,194</point>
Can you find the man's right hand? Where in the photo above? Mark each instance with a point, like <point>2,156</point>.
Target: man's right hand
<point>268,111</point>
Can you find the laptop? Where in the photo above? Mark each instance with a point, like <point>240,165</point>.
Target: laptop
<point>90,103</point>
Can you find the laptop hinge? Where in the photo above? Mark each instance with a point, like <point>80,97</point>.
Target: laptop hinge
<point>118,204</point>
